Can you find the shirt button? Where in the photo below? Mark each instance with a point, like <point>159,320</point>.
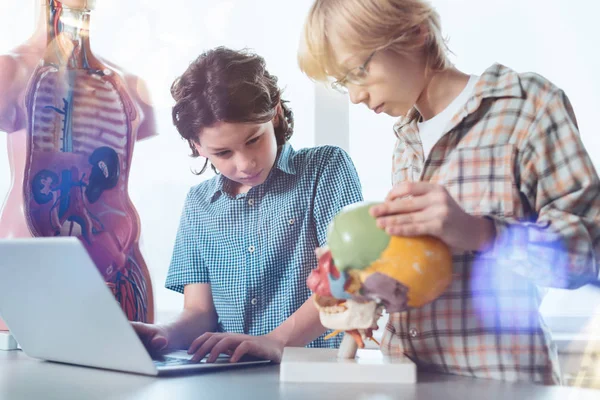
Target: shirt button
<point>251,249</point>
<point>251,202</point>
<point>254,301</point>
<point>291,221</point>
<point>413,332</point>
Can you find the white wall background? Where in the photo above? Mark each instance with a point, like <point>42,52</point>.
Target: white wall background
<point>156,40</point>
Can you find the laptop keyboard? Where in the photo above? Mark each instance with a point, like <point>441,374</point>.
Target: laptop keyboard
<point>168,361</point>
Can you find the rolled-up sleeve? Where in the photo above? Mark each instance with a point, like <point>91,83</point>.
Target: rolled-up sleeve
<point>561,247</point>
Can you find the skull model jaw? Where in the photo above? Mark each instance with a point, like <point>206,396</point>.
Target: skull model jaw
<point>357,319</point>
<point>349,314</point>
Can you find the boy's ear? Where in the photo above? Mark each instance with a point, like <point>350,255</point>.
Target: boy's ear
<point>278,112</point>
<point>422,35</point>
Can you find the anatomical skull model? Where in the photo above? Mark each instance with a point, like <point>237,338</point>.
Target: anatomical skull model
<point>364,271</point>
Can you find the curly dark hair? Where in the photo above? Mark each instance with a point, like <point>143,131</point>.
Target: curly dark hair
<point>224,85</point>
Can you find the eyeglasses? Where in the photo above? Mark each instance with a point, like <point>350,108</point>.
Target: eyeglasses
<point>356,76</point>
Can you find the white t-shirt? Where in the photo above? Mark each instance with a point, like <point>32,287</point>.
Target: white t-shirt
<point>432,130</point>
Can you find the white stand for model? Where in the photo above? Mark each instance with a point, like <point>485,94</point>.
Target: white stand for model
<point>300,364</point>
<point>7,342</point>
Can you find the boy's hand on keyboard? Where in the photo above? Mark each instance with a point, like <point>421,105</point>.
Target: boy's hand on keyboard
<point>236,345</point>
<point>154,337</point>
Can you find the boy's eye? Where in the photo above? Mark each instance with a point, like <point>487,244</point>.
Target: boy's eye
<point>253,140</point>
<point>361,73</point>
<point>357,74</point>
<point>222,153</point>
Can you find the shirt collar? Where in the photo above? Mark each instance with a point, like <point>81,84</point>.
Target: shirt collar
<point>284,162</point>
<point>497,81</point>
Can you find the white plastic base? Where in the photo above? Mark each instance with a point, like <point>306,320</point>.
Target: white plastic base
<point>7,342</point>
<point>300,364</point>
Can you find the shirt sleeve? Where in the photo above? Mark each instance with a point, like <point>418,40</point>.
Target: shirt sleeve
<point>561,247</point>
<point>338,185</point>
<point>187,265</point>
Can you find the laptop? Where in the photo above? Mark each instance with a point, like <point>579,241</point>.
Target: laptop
<point>58,307</point>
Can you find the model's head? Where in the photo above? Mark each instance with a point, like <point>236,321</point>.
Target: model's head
<point>74,4</point>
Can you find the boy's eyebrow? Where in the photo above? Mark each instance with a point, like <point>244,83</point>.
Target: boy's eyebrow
<point>218,149</point>
<point>351,61</point>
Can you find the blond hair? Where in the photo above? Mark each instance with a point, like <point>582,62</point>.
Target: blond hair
<point>369,25</point>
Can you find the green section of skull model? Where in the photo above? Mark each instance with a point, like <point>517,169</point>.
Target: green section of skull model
<point>354,239</point>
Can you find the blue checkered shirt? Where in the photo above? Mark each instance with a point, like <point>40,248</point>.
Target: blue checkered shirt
<point>257,249</point>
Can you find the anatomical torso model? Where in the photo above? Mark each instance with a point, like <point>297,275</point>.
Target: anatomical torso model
<point>72,120</point>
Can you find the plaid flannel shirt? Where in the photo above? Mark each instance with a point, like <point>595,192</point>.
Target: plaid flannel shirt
<point>512,154</point>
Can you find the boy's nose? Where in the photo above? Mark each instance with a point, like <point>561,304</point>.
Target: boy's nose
<point>357,94</point>
<point>247,165</point>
